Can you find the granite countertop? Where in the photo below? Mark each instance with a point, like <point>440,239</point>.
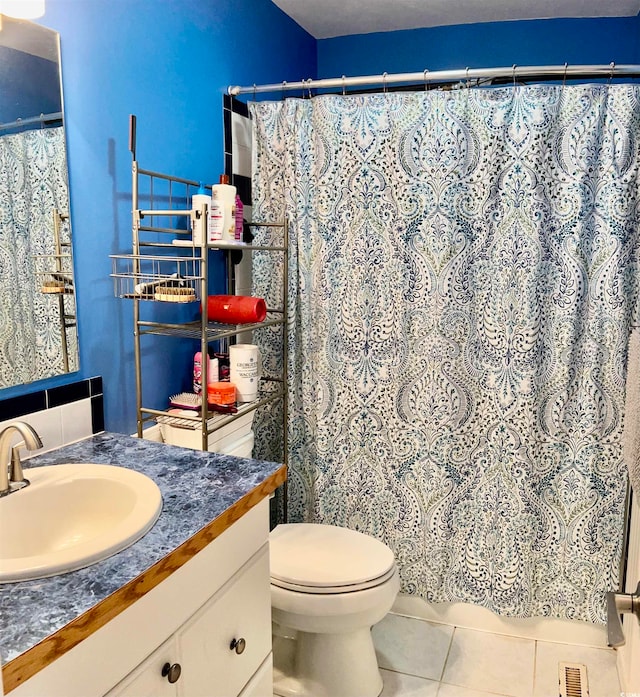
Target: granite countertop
<point>196,487</point>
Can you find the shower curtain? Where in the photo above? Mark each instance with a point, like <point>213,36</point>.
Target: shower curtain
<point>33,181</point>
<point>463,269</point>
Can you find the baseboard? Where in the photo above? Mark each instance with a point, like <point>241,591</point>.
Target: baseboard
<point>479,618</point>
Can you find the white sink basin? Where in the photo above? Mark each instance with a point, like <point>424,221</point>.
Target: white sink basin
<point>72,516</point>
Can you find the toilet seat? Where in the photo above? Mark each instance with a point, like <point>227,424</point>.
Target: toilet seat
<point>348,588</point>
<point>326,559</point>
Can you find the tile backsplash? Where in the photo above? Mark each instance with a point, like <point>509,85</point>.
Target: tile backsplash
<point>60,415</point>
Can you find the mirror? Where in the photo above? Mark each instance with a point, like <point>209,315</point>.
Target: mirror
<point>38,333</point>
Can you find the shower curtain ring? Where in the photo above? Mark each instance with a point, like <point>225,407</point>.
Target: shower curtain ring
<point>467,77</point>
<point>344,85</point>
<point>513,73</point>
<point>564,77</point>
<point>612,65</point>
<point>284,87</point>
<point>424,77</point>
<point>384,82</point>
<point>254,91</point>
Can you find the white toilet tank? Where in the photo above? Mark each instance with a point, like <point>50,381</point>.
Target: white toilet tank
<point>241,447</point>
<point>235,438</point>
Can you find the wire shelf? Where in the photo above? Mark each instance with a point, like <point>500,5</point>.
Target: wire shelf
<point>158,278</point>
<point>54,273</point>
<point>214,330</point>
<point>193,420</point>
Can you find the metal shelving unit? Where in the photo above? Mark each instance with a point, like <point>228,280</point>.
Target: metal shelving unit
<point>55,277</point>
<point>173,272</point>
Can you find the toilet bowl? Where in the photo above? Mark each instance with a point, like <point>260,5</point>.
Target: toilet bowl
<point>329,585</point>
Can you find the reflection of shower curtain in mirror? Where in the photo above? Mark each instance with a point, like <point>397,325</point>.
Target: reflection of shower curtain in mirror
<point>33,181</point>
<point>463,268</point>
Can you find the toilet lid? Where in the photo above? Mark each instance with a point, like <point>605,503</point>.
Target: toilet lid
<point>325,558</point>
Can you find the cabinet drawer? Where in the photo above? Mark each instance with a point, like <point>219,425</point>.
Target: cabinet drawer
<point>240,610</point>
<point>147,679</point>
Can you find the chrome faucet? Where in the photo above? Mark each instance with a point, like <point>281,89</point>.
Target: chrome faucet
<point>11,475</point>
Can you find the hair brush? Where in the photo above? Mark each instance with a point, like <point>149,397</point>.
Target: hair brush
<point>186,400</point>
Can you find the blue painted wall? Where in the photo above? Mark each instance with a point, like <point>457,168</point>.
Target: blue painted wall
<point>534,42</point>
<point>169,62</point>
<point>29,86</point>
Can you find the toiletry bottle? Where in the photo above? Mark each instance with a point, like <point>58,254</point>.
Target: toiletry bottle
<point>197,373</point>
<point>199,224</point>
<point>239,219</point>
<point>225,194</point>
<point>215,224</point>
<point>212,372</point>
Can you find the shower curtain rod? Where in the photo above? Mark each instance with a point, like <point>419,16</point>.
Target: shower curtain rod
<point>466,74</point>
<point>43,118</point>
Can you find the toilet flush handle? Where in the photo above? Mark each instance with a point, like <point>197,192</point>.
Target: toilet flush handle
<point>238,645</point>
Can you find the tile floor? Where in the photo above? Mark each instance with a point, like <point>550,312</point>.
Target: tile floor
<point>424,659</point>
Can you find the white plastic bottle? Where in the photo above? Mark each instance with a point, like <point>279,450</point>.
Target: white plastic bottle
<point>215,223</point>
<point>199,224</point>
<point>214,370</point>
<point>225,195</point>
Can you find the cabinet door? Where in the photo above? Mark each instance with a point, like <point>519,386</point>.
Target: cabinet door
<point>147,679</point>
<point>261,684</point>
<point>226,641</point>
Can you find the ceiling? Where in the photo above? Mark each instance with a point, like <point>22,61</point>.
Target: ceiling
<point>324,19</point>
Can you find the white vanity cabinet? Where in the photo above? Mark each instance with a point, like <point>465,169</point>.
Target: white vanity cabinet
<point>218,649</point>
<point>225,643</point>
<point>211,616</point>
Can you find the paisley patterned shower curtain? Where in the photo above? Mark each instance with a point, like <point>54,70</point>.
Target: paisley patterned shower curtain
<point>464,269</point>
<point>33,181</point>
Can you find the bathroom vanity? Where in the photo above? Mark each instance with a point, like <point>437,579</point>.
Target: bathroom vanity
<point>183,611</point>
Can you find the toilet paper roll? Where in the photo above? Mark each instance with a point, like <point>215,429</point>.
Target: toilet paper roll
<point>236,309</point>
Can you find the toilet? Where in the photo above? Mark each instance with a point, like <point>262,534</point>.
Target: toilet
<point>329,586</point>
